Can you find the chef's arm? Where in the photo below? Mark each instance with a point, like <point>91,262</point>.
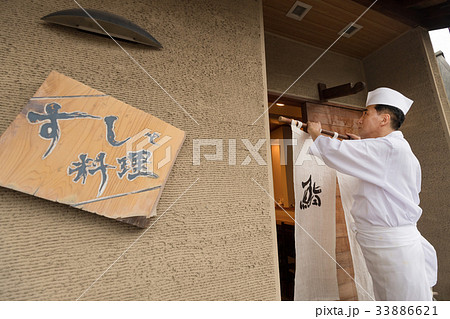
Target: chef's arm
<point>363,159</point>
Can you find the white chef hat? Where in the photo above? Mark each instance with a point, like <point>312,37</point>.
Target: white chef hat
<point>389,96</point>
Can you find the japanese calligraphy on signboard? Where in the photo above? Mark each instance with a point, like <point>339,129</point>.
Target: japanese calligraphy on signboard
<point>78,146</point>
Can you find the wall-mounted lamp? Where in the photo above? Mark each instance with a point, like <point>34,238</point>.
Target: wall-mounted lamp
<point>115,25</point>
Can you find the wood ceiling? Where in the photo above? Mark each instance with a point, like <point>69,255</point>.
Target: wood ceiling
<point>384,22</point>
<point>430,14</point>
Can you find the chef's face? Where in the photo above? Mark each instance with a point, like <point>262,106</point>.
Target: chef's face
<point>369,123</point>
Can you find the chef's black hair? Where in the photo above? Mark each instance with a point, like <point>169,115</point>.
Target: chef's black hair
<point>397,116</point>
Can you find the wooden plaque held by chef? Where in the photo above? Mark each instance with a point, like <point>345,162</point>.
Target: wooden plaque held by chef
<point>78,146</point>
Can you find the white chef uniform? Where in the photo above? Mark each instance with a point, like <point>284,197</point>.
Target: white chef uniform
<point>403,265</point>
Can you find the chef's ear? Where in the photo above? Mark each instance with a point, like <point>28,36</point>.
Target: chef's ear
<point>386,119</point>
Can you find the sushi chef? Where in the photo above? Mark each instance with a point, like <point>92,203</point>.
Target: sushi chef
<point>401,262</point>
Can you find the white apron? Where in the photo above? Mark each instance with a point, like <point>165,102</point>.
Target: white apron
<point>396,260</point>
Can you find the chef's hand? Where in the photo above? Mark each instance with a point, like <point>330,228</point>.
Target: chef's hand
<point>353,136</point>
<point>314,129</point>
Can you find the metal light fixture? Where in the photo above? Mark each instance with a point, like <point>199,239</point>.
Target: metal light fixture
<point>298,10</point>
<point>350,29</point>
<point>115,25</point>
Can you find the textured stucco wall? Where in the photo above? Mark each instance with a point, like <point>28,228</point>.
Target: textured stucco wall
<point>287,60</point>
<point>408,65</point>
<point>218,240</point>
<point>444,69</point>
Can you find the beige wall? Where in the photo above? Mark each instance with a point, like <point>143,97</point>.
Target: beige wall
<point>408,65</point>
<point>218,240</point>
<point>287,60</point>
<point>444,70</point>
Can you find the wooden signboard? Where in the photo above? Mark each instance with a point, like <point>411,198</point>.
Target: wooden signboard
<point>78,146</point>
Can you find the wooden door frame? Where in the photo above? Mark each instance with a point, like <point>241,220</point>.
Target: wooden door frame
<point>299,101</point>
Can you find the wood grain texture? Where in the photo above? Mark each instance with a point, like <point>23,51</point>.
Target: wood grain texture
<point>321,25</point>
<point>26,168</point>
<point>341,120</point>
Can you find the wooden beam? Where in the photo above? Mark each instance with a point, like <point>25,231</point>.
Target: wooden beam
<point>294,100</point>
<point>395,10</point>
<point>436,24</point>
<point>412,3</point>
<point>436,17</point>
<point>431,18</point>
<point>339,91</point>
